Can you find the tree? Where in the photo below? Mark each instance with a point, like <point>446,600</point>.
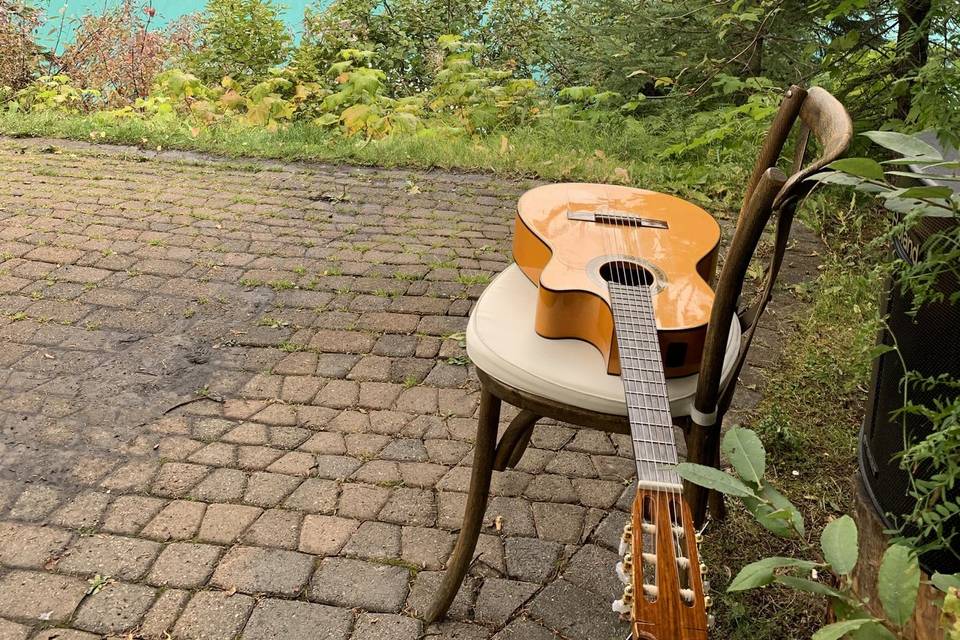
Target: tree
<point>243,39</point>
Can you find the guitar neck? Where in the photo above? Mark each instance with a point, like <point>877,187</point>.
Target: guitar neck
<point>645,387</point>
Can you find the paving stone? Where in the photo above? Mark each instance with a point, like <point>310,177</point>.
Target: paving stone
<point>179,520</point>
<point>285,620</point>
<point>83,511</point>
<point>576,613</point>
<point>374,540</point>
<point>365,445</point>
<point>108,555</point>
<point>294,463</point>
<point>525,629</point>
<point>29,545</point>
<point>222,485</point>
<point>410,506</point>
<point>426,547</point>
<point>362,501</point>
<point>213,615</point>
<point>589,569</point>
<point>488,557</point>
<point>223,523</point>
<point>514,514</point>
<point>336,580</point>
<point>117,607</point>
<point>559,522</point>
<point>159,620</point>
<point>177,478</point>
<point>314,496</point>
<point>275,528</point>
<point>35,503</point>
<point>13,631</point>
<point>549,487</point>
<point>498,599</point>
<point>531,559</point>
<point>268,489</point>
<point>129,514</point>
<point>133,476</point>
<point>386,626</point>
<point>602,494</point>
<point>457,631</point>
<point>326,443</point>
<point>65,634</point>
<point>325,535</point>
<point>26,595</point>
<point>381,472</point>
<point>185,565</point>
<point>254,570</point>
<point>424,475</point>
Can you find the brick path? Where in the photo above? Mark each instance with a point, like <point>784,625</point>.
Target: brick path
<point>234,403</point>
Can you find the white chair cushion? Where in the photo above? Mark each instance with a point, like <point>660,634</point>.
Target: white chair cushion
<point>501,341</point>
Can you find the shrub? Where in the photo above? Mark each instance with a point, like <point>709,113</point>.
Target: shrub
<point>243,39</point>
<point>118,54</point>
<point>21,56</point>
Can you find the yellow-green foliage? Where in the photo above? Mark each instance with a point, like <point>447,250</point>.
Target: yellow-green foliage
<point>50,93</point>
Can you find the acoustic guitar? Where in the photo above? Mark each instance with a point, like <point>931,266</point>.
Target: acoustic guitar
<point>628,271</point>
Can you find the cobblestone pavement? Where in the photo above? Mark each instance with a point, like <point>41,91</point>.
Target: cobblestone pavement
<point>234,403</point>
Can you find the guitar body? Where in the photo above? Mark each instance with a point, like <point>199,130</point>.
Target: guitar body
<point>569,236</point>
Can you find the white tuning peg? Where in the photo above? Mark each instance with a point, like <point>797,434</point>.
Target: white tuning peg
<point>706,586</point>
<point>703,569</point>
<point>707,602</point>
<point>711,621</point>
<point>625,569</point>
<point>625,603</point>
<point>626,539</point>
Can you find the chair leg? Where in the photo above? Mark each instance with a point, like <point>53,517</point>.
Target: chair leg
<point>514,440</point>
<point>459,562</point>
<point>701,445</point>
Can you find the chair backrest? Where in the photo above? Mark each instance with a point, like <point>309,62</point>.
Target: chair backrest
<point>768,191</point>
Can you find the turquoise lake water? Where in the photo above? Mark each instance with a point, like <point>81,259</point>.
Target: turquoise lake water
<point>167,10</point>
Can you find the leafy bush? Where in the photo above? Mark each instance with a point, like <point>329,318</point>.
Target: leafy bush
<point>52,93</point>
<point>898,579</point>
<point>243,39</point>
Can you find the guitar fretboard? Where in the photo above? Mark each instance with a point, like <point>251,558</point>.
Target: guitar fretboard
<point>645,386</point>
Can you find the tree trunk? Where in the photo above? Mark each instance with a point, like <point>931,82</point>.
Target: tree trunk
<point>913,44</point>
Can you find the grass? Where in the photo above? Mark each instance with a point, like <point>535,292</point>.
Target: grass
<point>555,150</point>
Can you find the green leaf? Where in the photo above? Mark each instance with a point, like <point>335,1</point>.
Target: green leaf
<point>840,629</point>
<point>862,167</point>
<point>840,544</point>
<point>775,512</point>
<point>802,584</point>
<point>873,631</point>
<point>745,452</point>
<point>898,582</point>
<point>713,479</point>
<point>927,192</point>
<point>944,581</point>
<point>761,572</point>
<point>903,144</point>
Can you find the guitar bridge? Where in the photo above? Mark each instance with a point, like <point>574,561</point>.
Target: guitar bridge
<point>616,218</point>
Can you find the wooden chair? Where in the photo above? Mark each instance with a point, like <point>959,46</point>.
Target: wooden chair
<point>566,379</point>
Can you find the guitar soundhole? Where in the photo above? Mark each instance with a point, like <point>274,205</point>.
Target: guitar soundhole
<point>626,273</point>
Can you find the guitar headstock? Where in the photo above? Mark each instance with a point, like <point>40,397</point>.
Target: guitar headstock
<point>665,594</point>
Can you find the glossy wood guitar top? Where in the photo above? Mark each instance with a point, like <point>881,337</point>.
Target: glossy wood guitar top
<point>566,233</point>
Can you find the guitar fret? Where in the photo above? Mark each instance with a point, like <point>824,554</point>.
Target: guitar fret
<point>644,384</point>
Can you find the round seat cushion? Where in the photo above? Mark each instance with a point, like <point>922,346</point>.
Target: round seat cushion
<point>502,342</point>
